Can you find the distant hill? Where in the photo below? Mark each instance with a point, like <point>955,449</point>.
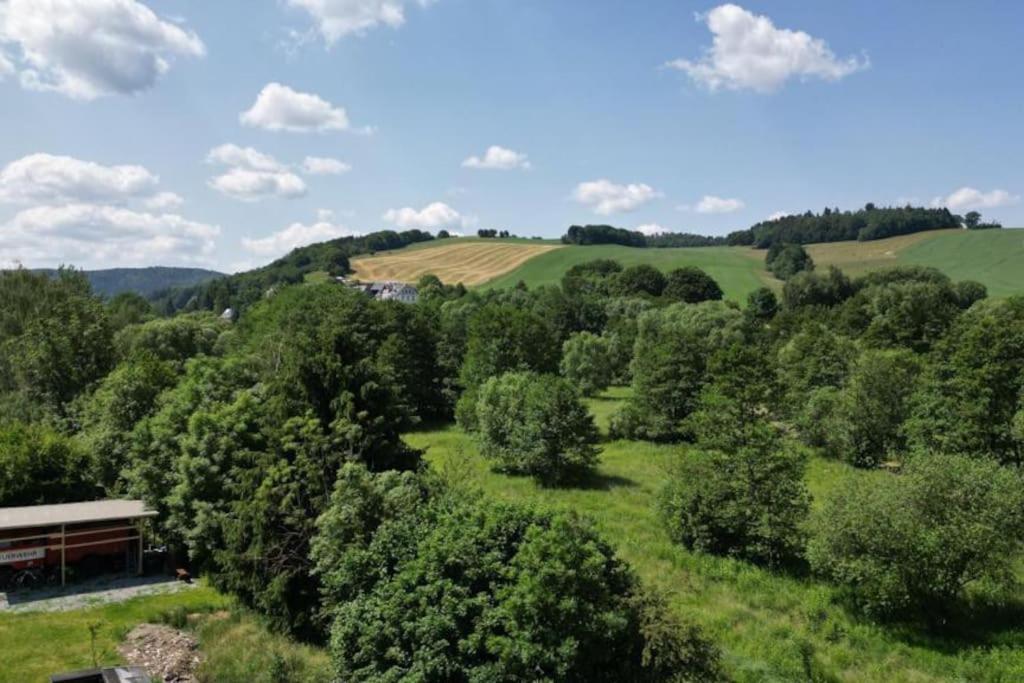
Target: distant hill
<point>145,281</point>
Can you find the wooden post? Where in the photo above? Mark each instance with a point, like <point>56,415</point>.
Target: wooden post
<point>63,544</point>
<point>138,523</point>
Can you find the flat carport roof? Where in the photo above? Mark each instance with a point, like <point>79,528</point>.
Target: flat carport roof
<point>72,513</point>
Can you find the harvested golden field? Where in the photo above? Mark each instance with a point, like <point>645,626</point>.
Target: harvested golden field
<point>471,263</point>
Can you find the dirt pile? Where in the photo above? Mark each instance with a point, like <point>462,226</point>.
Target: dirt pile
<point>166,653</point>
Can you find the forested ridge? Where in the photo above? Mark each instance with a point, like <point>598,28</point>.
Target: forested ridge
<point>272,450</point>
<point>831,225</point>
<point>109,282</point>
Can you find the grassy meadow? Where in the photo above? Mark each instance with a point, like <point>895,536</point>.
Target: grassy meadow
<point>771,626</point>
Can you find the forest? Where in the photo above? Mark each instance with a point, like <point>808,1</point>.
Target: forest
<point>272,448</point>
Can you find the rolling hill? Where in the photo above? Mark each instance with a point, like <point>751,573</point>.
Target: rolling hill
<point>144,281</point>
<point>993,257</point>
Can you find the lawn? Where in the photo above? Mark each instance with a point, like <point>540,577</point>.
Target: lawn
<point>772,626</point>
<point>34,645</point>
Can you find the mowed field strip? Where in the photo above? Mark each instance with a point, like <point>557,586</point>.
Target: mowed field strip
<point>471,263</point>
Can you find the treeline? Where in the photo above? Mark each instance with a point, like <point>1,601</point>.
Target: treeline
<point>272,450</point>
<point>831,225</point>
<point>241,290</point>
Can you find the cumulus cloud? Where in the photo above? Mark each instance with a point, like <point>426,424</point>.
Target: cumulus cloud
<point>88,48</point>
<point>253,175</point>
<point>749,52</point>
<point>499,159</point>
<point>49,178</point>
<point>711,204</point>
<point>651,229</point>
<point>324,166</point>
<point>970,198</point>
<point>336,19</point>
<point>606,197</point>
<point>164,201</point>
<point>431,217</point>
<point>93,236</point>
<point>297,235</point>
<point>279,108</point>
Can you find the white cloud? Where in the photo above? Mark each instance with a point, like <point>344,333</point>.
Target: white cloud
<point>253,175</point>
<point>336,19</point>
<point>92,236</point>
<point>279,108</point>
<point>164,201</point>
<point>970,198</point>
<point>749,52</point>
<point>711,204</point>
<point>651,229</point>
<point>49,178</point>
<point>6,68</point>
<point>88,48</point>
<point>296,235</point>
<point>498,158</point>
<point>777,215</point>
<point>324,166</point>
<point>607,197</point>
<point>431,217</point>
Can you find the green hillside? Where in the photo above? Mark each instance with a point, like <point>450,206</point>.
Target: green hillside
<point>738,270</point>
<point>994,258</point>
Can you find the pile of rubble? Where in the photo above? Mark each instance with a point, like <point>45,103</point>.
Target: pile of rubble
<point>166,653</point>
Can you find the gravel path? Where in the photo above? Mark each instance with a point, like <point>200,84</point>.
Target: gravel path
<point>99,591</point>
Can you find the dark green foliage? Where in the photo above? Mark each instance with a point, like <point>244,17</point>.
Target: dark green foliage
<point>464,591</point>
<point>762,303</point>
<point>832,225</point>
<point>816,289</point>
<point>815,357</point>
<point>536,425</point>
<point>972,219</point>
<point>691,285</point>
<point>751,503</point>
<point>128,308</point>
<point>603,234</point>
<point>505,338</point>
<point>172,339</point>
<point>909,314</point>
<point>867,423</point>
<point>38,465</point>
<point>912,543</point>
<point>786,260</point>
<point>670,366</point>
<point>620,331</point>
<point>586,363</point>
<point>968,292</point>
<point>640,279</point>
<point>971,389</point>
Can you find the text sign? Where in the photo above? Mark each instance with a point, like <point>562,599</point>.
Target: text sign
<point>21,555</point>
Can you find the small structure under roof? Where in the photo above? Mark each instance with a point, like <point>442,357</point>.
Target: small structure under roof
<point>72,513</point>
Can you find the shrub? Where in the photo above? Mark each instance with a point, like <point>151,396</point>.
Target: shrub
<point>816,289</point>
<point>786,260</point>
<point>762,303</point>
<point>586,362</point>
<point>536,425</point>
<point>640,279</point>
<point>916,541</point>
<point>750,504</point>
<point>40,466</point>
<point>691,285</point>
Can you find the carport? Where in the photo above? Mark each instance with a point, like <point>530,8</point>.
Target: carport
<point>50,535</point>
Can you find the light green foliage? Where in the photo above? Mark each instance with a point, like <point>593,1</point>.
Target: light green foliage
<point>670,365</point>
<point>912,543</point>
<point>912,314</point>
<point>867,423</point>
<point>129,308</point>
<point>814,358</point>
<point>39,465</point>
<point>586,362</point>
<point>536,425</point>
<point>970,390</point>
<point>172,339</point>
<point>620,330</point>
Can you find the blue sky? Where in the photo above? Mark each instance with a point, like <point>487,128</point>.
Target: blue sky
<point>177,131</point>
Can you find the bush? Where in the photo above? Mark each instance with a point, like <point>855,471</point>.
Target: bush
<point>691,285</point>
<point>786,260</point>
<point>750,504</point>
<point>586,362</point>
<point>762,303</point>
<point>462,591</point>
<point>916,541</point>
<point>816,289</point>
<point>40,466</point>
<point>536,425</point>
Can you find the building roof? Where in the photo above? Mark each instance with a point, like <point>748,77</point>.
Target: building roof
<point>72,513</point>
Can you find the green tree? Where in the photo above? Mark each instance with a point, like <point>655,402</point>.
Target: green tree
<point>816,289</point>
<point>912,315</point>
<point>586,362</point>
<point>786,260</point>
<point>173,339</point>
<point>814,358</point>
<point>916,541</point>
<point>762,303</point>
<point>691,285</point>
<point>41,466</point>
<point>971,220</point>
<point>536,425</point>
<point>620,331</point>
<point>640,279</point>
